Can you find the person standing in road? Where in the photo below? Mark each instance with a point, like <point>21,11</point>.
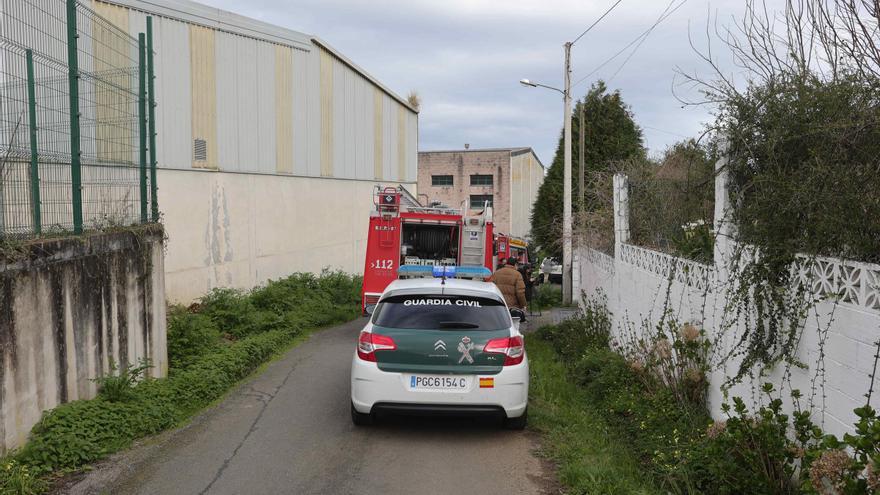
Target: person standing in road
<point>528,277</point>
<point>511,284</point>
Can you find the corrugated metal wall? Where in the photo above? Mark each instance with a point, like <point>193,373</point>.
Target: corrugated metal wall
<point>526,176</point>
<point>268,108</point>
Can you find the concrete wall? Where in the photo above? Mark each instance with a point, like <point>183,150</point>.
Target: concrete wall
<point>69,308</point>
<point>526,176</point>
<point>239,230</point>
<point>640,284</point>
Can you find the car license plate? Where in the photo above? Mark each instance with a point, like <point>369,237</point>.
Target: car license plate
<point>439,382</point>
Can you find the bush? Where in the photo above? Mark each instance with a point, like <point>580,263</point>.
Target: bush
<point>300,299</point>
<point>547,295</point>
<point>203,367</point>
<point>190,335</point>
<point>118,385</point>
<point>590,329</point>
<point>746,454</point>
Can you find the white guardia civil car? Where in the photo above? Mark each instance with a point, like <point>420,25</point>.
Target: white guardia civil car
<point>440,346</point>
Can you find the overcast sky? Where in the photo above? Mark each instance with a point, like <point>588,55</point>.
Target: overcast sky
<point>465,58</point>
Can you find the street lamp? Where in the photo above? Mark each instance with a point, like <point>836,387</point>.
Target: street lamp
<point>566,186</point>
<point>531,84</point>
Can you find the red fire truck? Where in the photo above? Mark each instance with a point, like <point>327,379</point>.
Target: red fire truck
<point>404,232</point>
<point>507,246</point>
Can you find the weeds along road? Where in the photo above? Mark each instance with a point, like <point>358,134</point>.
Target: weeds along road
<point>288,430</point>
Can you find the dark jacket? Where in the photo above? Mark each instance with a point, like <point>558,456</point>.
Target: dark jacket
<point>511,284</point>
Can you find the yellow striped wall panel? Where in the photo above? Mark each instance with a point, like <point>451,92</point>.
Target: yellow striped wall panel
<point>283,109</point>
<point>326,114</point>
<point>114,142</point>
<point>401,143</point>
<point>204,94</point>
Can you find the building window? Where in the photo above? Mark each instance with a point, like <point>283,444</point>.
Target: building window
<point>481,180</point>
<point>441,180</point>
<point>478,200</point>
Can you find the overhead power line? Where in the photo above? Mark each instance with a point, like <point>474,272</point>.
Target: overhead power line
<point>638,39</point>
<point>645,37</point>
<point>597,21</point>
<point>643,126</point>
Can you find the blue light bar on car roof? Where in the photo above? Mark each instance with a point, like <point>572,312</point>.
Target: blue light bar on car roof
<point>473,272</point>
<point>444,271</point>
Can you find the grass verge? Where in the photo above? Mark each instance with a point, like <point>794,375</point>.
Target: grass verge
<point>590,459</point>
<point>608,417</point>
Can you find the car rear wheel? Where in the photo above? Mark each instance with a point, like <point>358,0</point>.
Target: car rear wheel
<point>518,423</point>
<point>359,418</point>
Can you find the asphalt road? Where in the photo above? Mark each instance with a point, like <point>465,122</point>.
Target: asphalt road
<point>288,430</point>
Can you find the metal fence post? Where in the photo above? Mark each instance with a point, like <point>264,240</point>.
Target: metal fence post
<point>73,87</point>
<point>142,122</point>
<point>32,120</point>
<point>152,116</point>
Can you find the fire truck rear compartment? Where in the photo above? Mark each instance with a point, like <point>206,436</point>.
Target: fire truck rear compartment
<point>427,244</point>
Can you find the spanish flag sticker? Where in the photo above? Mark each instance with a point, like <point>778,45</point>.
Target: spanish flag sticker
<point>487,383</point>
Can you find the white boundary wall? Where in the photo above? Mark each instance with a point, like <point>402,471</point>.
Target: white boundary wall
<point>636,282</point>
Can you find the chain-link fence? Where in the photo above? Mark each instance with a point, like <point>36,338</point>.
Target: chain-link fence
<point>75,126</point>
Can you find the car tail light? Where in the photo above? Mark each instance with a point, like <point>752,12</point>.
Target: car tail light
<point>512,347</point>
<point>369,343</point>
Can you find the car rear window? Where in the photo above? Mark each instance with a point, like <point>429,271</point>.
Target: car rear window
<point>428,312</point>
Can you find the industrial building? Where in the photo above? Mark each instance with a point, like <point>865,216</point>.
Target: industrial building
<point>269,144</point>
<point>507,178</point>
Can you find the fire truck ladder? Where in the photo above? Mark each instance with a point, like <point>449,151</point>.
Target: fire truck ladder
<point>473,241</point>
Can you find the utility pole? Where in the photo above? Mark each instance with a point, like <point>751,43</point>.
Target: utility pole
<point>566,186</point>
<point>566,191</point>
<point>582,126</point>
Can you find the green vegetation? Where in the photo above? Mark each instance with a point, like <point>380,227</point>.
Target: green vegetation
<point>611,134</point>
<point>590,459</point>
<point>18,479</point>
<point>644,413</point>
<point>118,385</point>
<point>210,347</point>
<point>672,200</point>
<point>547,295</point>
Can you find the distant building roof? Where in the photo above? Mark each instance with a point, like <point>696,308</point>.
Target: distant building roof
<point>513,151</point>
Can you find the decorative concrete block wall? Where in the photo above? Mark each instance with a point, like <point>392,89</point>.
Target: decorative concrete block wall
<point>641,284</point>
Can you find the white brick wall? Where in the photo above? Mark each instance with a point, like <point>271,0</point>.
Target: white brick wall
<point>637,291</point>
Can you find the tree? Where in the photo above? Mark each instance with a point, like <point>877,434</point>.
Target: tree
<point>803,126</point>
<point>611,135</point>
